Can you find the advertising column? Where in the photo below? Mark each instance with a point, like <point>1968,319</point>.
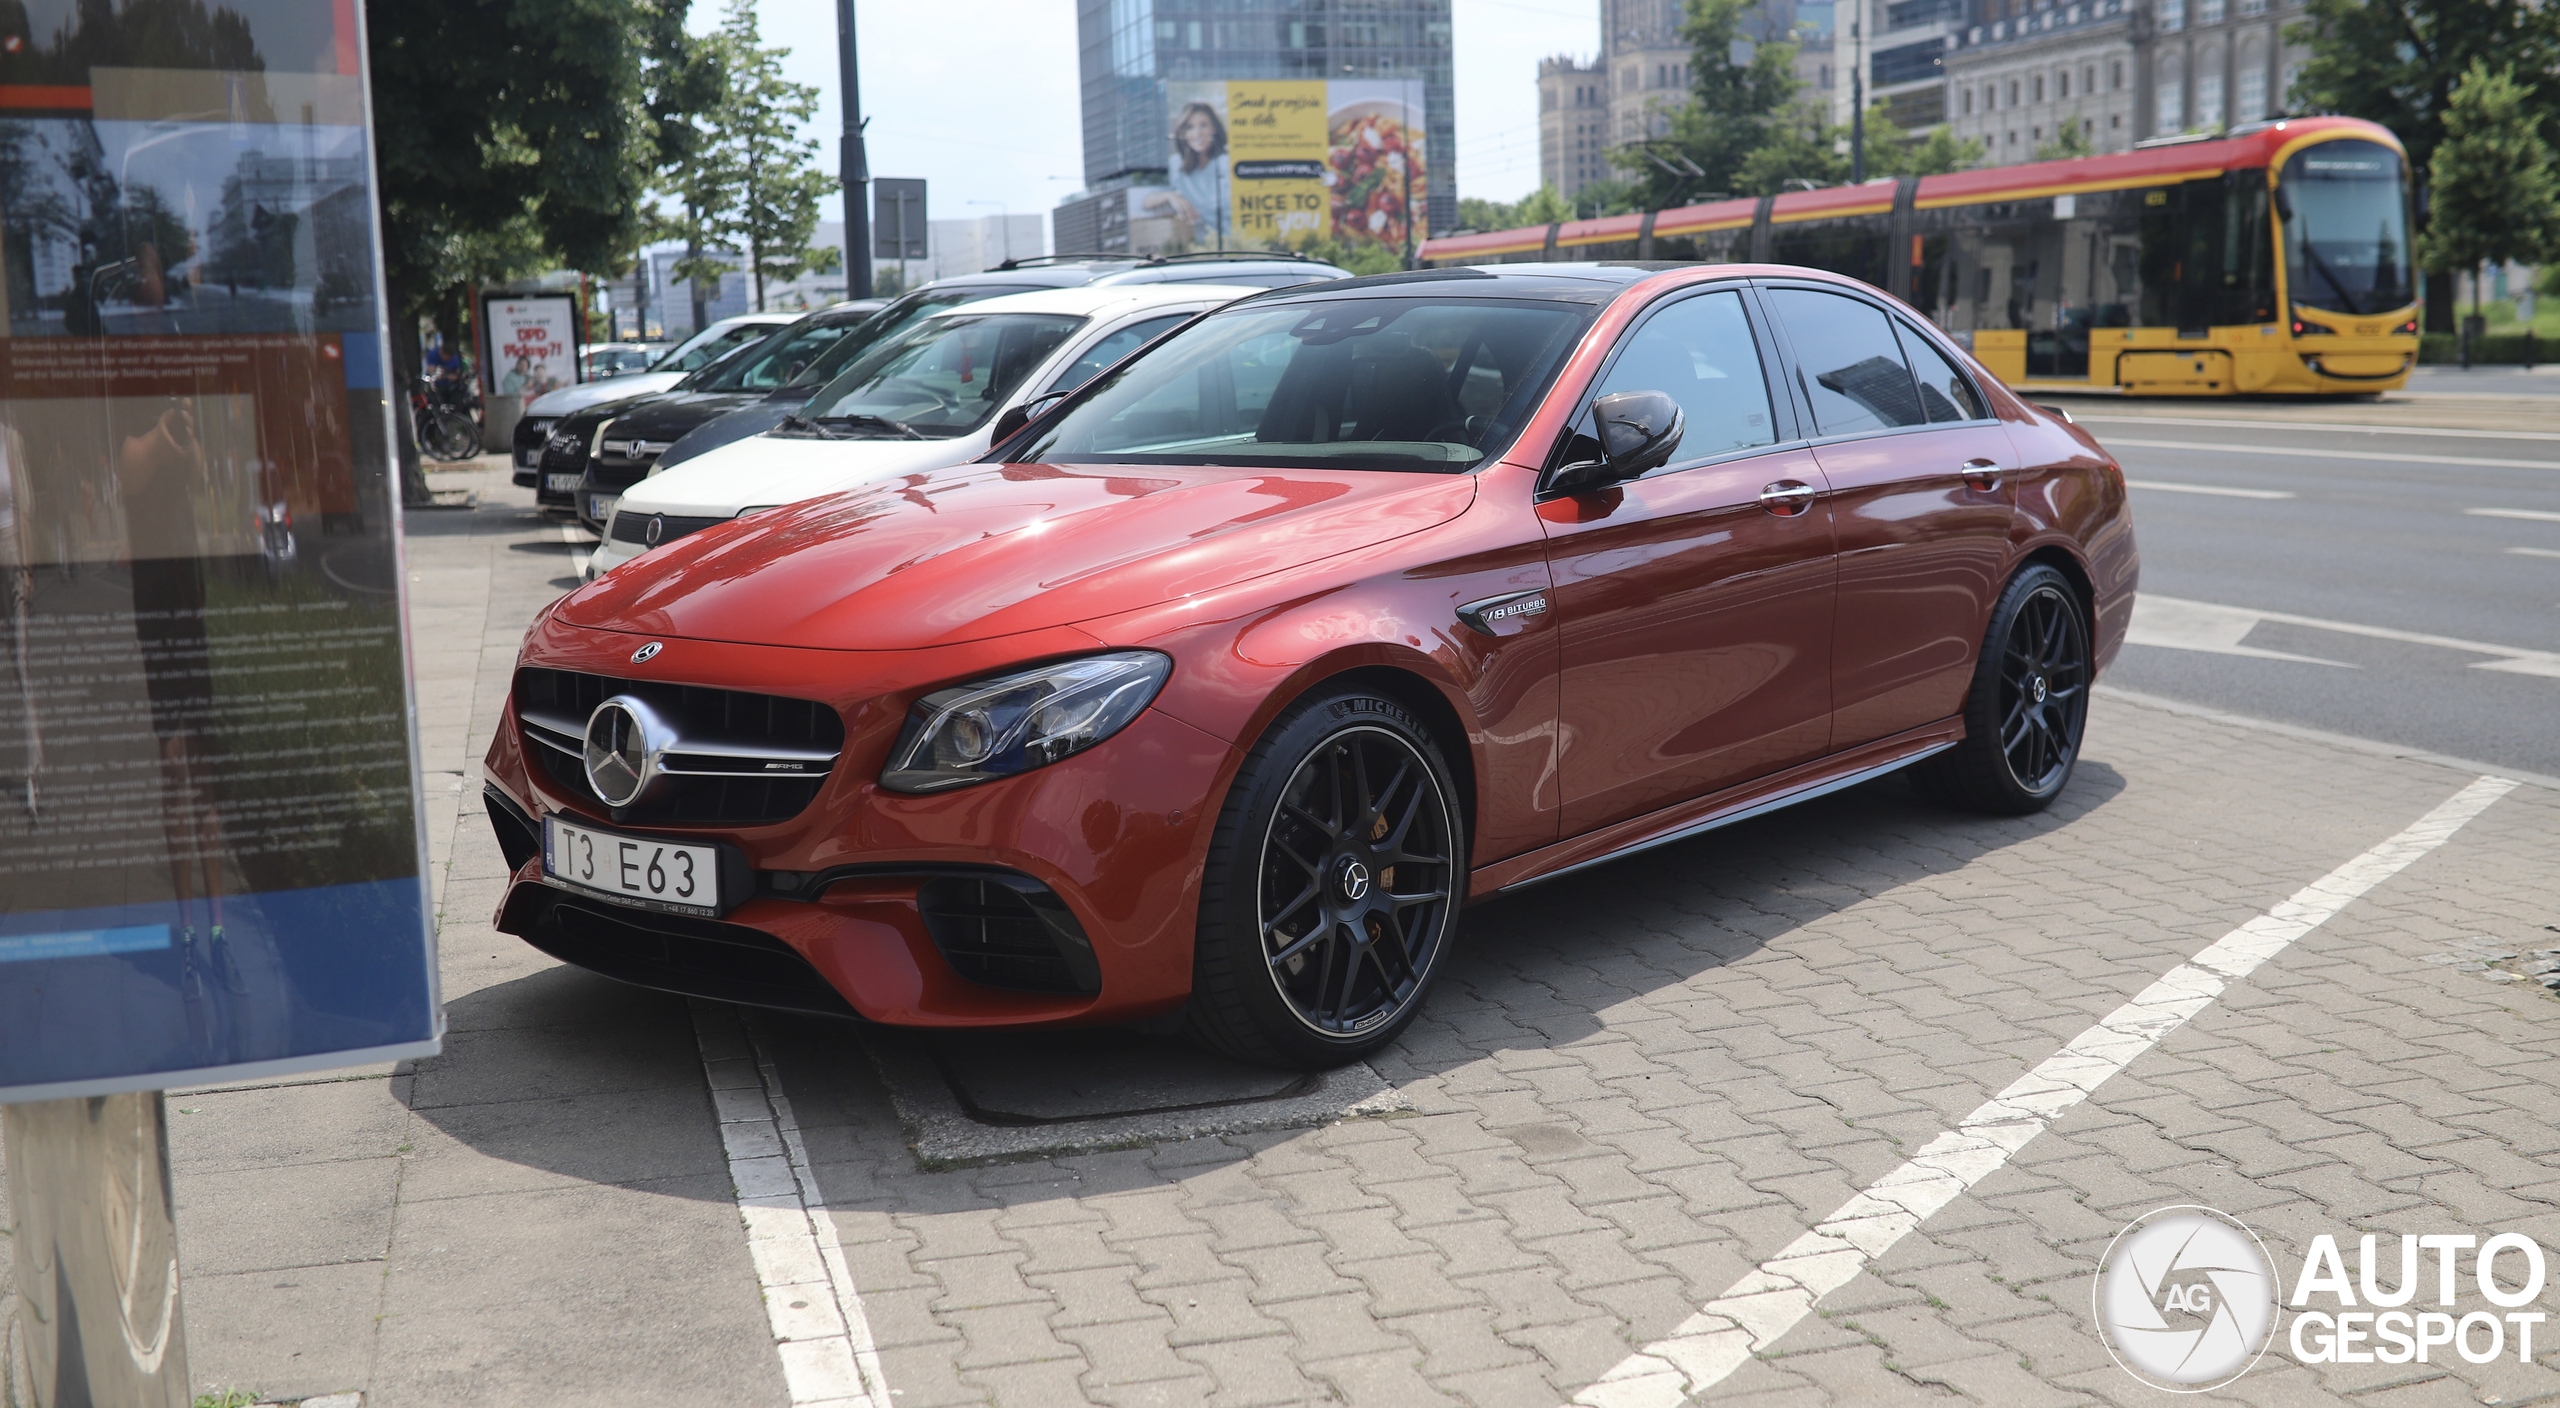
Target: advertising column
<point>211,855</point>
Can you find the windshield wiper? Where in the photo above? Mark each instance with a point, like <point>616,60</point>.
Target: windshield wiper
<point>903,430</point>
<point>798,425</point>
<point>2311,251</point>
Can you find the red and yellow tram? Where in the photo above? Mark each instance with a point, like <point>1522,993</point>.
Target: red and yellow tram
<point>2272,260</point>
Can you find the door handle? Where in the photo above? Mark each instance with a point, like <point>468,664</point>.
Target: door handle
<point>1982,474</point>
<point>1787,497</point>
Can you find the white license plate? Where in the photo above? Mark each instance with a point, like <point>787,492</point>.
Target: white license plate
<point>563,481</point>
<point>636,870</point>
<point>600,506</point>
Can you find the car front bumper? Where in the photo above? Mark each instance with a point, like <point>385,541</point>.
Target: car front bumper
<point>857,890</point>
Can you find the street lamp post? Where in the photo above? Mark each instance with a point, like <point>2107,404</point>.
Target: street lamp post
<point>1857,101</point>
<point>856,164</point>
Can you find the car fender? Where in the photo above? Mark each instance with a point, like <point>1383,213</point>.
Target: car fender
<point>1252,651</point>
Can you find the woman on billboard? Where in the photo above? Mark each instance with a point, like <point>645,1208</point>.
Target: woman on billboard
<point>1199,175</point>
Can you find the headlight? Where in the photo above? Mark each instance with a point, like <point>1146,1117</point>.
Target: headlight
<point>1013,723</point>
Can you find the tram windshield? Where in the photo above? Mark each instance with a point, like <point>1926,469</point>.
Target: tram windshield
<point>2346,228</point>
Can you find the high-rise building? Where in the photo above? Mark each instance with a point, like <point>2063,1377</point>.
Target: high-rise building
<point>1641,75</point>
<point>2127,70</point>
<point>1130,49</point>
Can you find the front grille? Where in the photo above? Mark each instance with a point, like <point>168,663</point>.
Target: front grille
<point>634,527</point>
<point>718,777</point>
<point>1008,931</point>
<point>607,474</point>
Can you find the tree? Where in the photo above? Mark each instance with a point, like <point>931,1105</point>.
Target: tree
<point>2069,140</point>
<point>2496,196</point>
<point>1731,112</point>
<point>1805,148</point>
<point>2397,62</point>
<point>1477,213</point>
<point>509,135</point>
<point>749,181</point>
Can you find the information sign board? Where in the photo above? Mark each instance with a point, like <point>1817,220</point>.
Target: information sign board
<point>211,854</point>
<point>531,342</point>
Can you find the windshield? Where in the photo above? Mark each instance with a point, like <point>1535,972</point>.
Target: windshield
<point>889,321</point>
<point>778,360</point>
<point>2346,231</point>
<point>1426,384</point>
<point>941,377</point>
<point>708,346</point>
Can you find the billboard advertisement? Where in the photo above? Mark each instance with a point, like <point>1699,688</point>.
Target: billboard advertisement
<point>210,837</point>
<point>532,342</point>
<point>1257,163</point>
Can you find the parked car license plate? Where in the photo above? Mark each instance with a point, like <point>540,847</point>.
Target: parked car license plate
<point>638,870</point>
<point>530,459</point>
<point>600,506</point>
<point>558,482</point>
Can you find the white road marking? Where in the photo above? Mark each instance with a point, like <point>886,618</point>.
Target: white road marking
<point>2202,626</point>
<point>2214,489</point>
<point>2303,453</point>
<point>1756,1311</point>
<point>2535,552</point>
<point>819,1328</point>
<point>2530,515</point>
<point>2205,626</point>
<point>2214,424</point>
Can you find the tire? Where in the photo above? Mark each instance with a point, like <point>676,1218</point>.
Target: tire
<point>2028,706</point>
<point>1332,889</point>
<point>450,436</point>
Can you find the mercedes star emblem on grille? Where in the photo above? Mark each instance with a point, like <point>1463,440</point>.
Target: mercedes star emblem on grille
<point>617,752</point>
<point>648,652</point>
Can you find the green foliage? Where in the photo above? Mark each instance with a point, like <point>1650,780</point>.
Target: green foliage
<point>2397,62</point>
<point>2070,140</point>
<point>510,135</point>
<point>1729,116</point>
<point>2496,195</point>
<point>1358,256</point>
<point>1943,151</point>
<point>226,1398</point>
<point>1806,148</point>
<point>1476,213</point>
<point>1607,196</point>
<point>1544,207</point>
<point>746,177</point>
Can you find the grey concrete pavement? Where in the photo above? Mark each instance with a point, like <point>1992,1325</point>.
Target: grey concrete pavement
<point>1635,1086</point>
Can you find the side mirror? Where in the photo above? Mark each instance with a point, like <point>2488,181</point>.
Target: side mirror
<point>1639,430</point>
<point>1013,418</point>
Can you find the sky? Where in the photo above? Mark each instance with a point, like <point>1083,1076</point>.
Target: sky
<point>978,97</point>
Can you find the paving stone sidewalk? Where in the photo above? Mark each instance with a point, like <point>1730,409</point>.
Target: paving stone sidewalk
<point>1634,1086</point>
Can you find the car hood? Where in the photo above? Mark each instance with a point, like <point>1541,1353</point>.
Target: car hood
<point>729,429</point>
<point>596,393</point>
<point>991,550</point>
<point>666,417</point>
<point>771,470</point>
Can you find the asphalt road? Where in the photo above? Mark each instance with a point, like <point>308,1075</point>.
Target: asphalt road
<point>2398,584</point>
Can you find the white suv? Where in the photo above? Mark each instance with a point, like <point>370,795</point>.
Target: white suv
<point>924,398</point>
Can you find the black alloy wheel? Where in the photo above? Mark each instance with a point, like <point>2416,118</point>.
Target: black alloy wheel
<point>2028,705</point>
<point>1333,889</point>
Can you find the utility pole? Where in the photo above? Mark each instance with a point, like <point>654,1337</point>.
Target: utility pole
<point>856,164</point>
<point>1857,100</point>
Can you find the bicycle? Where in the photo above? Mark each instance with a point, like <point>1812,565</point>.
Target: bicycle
<point>445,432</point>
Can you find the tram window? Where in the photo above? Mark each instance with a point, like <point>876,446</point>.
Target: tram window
<point>1847,361</point>
<point>1854,246</point>
<point>1945,393</point>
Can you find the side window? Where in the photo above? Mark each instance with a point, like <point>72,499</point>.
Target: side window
<point>1945,393</point>
<point>1103,355</point>
<point>1699,351</point>
<point>1852,368</point>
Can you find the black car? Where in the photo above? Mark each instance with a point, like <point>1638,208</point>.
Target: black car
<point>533,428</point>
<point>678,431</point>
<point>564,483</point>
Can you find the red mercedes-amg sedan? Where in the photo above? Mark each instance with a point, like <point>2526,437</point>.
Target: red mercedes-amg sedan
<point>1223,684</point>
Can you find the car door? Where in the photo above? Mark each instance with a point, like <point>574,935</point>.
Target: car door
<point>1693,603</point>
<point>1920,497</point>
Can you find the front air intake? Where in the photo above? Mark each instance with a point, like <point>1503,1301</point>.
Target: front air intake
<point>1008,931</point>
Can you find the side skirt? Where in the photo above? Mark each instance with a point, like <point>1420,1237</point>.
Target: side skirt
<point>1703,814</point>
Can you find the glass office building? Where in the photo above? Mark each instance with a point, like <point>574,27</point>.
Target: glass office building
<point>1130,49</point>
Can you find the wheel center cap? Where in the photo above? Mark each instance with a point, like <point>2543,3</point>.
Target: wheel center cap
<point>2039,689</point>
<point>1352,879</point>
